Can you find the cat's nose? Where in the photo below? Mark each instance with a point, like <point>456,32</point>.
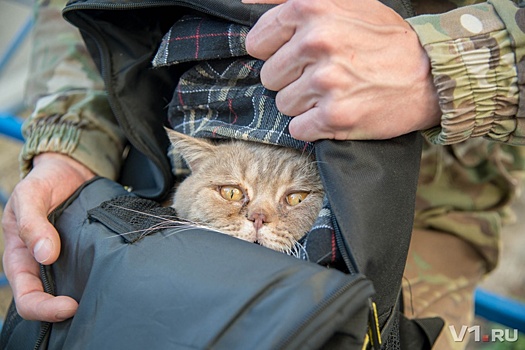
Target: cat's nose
<point>259,219</point>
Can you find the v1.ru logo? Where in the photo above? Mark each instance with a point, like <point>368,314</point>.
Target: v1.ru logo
<point>500,335</point>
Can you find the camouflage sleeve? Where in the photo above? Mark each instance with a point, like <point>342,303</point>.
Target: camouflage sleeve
<point>71,113</point>
<point>477,55</point>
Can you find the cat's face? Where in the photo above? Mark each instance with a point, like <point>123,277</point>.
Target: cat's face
<point>259,193</point>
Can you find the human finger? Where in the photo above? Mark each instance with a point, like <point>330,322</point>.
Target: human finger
<point>41,306</point>
<point>31,300</point>
<point>263,1</point>
<point>299,96</point>
<point>52,180</point>
<point>273,29</point>
<point>334,120</point>
<point>23,274</point>
<point>308,127</point>
<point>282,68</point>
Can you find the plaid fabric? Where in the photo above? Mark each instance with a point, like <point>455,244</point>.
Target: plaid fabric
<point>196,39</point>
<point>221,96</point>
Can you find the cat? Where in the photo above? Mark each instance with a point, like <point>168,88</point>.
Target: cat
<point>260,193</point>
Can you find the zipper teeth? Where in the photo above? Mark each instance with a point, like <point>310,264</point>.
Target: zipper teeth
<point>43,332</point>
<point>135,6</point>
<point>350,263</point>
<point>48,287</point>
<point>408,6</point>
<point>45,326</point>
<point>312,314</point>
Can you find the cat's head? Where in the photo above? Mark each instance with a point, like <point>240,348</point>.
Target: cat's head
<point>257,192</point>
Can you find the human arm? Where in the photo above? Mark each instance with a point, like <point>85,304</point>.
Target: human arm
<point>70,137</point>
<point>375,110</point>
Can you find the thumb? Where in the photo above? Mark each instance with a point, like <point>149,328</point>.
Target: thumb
<point>26,216</point>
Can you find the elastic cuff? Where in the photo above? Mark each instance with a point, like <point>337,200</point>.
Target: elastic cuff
<point>65,139</point>
<point>474,71</point>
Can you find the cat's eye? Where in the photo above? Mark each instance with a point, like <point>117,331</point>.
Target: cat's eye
<point>231,193</point>
<point>296,198</point>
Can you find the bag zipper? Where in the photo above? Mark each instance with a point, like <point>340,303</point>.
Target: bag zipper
<point>45,270</point>
<point>151,4</point>
<point>347,258</point>
<point>45,326</point>
<point>48,288</point>
<point>374,333</point>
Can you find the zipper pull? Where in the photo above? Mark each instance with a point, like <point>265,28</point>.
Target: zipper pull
<point>374,334</point>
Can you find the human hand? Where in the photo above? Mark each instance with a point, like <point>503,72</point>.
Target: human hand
<point>344,69</point>
<point>29,237</point>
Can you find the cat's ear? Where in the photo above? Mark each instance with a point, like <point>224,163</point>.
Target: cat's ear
<point>192,149</point>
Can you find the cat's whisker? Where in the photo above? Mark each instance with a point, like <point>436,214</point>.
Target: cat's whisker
<point>165,222</point>
<point>308,154</point>
<point>163,217</point>
<point>319,162</point>
<point>308,166</point>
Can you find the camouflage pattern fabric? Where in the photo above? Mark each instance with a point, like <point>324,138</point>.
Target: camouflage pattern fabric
<point>441,275</point>
<point>466,190</point>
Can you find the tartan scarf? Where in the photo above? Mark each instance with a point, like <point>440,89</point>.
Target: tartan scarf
<point>221,96</point>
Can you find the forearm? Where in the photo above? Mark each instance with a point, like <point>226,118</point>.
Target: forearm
<point>71,112</point>
<point>75,123</point>
<point>474,52</point>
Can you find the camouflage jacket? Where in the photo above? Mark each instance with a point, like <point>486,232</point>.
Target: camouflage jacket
<point>477,56</point>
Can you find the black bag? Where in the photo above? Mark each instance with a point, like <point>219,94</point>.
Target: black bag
<point>144,286</point>
<point>370,185</point>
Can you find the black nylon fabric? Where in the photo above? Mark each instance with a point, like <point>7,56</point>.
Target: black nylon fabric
<point>185,288</point>
<point>375,211</point>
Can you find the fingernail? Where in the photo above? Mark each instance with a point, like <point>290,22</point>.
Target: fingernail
<point>42,250</point>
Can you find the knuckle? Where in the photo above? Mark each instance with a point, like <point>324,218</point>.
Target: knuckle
<point>316,42</point>
<point>25,229</point>
<point>305,7</point>
<point>24,312</point>
<point>266,77</point>
<point>23,307</point>
<point>331,78</point>
<point>282,102</point>
<point>335,118</point>
<point>323,78</point>
<point>21,310</point>
<point>7,218</point>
